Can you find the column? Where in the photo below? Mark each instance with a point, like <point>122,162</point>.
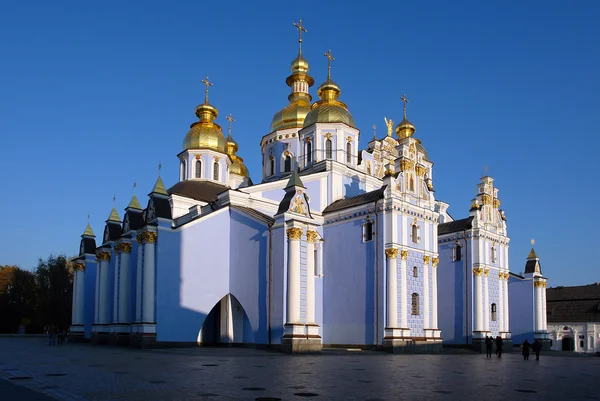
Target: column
<point>426,321</point>
<point>293,275</point>
<point>392,287</point>
<point>116,287</point>
<point>538,305</point>
<point>311,238</point>
<point>506,308</point>
<point>403,291</point>
<point>544,313</point>
<point>149,277</point>
<point>434,289</point>
<point>477,301</point>
<point>103,311</point>
<point>77,315</point>
<point>486,301</point>
<point>138,278</point>
<point>97,293</point>
<point>124,280</point>
<point>501,305</point>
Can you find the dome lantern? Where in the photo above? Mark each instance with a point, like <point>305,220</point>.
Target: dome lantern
<point>405,129</point>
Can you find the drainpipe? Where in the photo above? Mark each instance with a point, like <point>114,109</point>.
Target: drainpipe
<point>270,283</point>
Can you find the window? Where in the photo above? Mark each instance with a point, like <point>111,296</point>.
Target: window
<point>368,231</point>
<point>414,233</point>
<point>328,153</point>
<point>183,170</point>
<point>493,254</point>
<point>349,152</point>
<point>287,165</point>
<point>412,184</point>
<point>368,168</point>
<point>493,312</point>
<point>415,271</point>
<point>415,304</point>
<point>581,343</point>
<point>271,166</point>
<point>308,152</point>
<point>457,252</point>
<point>316,261</point>
<point>198,169</point>
<point>216,171</point>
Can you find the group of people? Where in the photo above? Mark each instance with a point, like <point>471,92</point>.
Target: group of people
<point>536,347</point>
<point>56,336</point>
<point>489,342</point>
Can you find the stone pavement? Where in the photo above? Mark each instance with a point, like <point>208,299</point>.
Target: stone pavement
<point>89,372</point>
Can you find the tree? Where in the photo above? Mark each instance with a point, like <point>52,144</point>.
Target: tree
<point>18,292</point>
<point>54,278</point>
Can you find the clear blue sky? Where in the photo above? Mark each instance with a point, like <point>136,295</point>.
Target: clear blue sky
<point>94,94</point>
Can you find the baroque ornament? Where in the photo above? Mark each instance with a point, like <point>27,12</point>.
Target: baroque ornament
<point>435,262</point>
<point>150,237</point>
<point>125,247</point>
<point>477,271</point>
<point>294,233</point>
<point>79,266</point>
<point>426,259</point>
<point>103,256</point>
<point>391,253</point>
<point>311,236</point>
<point>140,238</point>
<point>404,254</point>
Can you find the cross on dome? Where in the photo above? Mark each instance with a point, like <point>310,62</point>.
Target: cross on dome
<point>532,242</point>
<point>231,121</point>
<point>207,83</point>
<point>329,60</point>
<point>301,29</point>
<point>405,100</point>
<point>159,167</point>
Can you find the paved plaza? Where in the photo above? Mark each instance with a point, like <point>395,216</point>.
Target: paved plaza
<point>89,372</point>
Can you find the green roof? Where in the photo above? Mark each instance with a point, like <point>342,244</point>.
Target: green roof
<point>159,187</point>
<point>134,204</point>
<point>114,215</point>
<point>294,180</point>
<point>532,255</point>
<point>88,231</point>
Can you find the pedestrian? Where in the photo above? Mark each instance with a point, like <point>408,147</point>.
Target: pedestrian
<point>488,346</point>
<point>59,337</point>
<point>52,335</point>
<point>536,347</point>
<point>499,344</point>
<point>525,350</point>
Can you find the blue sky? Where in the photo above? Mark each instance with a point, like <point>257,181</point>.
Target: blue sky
<point>94,94</point>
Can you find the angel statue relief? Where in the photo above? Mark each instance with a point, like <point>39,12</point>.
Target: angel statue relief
<point>390,125</point>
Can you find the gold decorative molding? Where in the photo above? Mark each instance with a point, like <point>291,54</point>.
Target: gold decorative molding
<point>486,272</point>
<point>103,256</point>
<point>311,236</point>
<point>198,157</point>
<point>496,203</point>
<point>150,237</point>
<point>435,262</point>
<point>539,284</point>
<point>477,271</point>
<point>328,135</point>
<point>426,259</point>
<point>217,159</point>
<point>125,247</point>
<point>79,266</point>
<point>404,254</point>
<point>140,238</point>
<point>486,199</point>
<point>116,248</point>
<point>421,170</point>
<point>406,164</point>
<point>294,233</point>
<point>391,253</point>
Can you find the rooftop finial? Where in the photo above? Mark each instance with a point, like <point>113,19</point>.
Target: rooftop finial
<point>207,83</point>
<point>532,242</point>
<point>134,185</point>
<point>301,29</point>
<point>329,60</point>
<point>405,100</point>
<point>114,200</point>
<point>88,218</point>
<point>159,167</point>
<point>374,131</point>
<point>231,121</point>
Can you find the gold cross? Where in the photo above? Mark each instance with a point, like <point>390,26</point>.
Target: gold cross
<point>159,167</point>
<point>207,83</point>
<point>301,29</point>
<point>374,131</point>
<point>329,60</point>
<point>231,121</point>
<point>405,100</point>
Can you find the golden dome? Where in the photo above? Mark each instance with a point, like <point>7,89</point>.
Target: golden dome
<point>299,65</point>
<point>205,134</point>
<point>238,166</point>
<point>405,129</point>
<point>329,109</point>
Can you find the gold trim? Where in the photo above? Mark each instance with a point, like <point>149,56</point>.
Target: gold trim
<point>421,170</point>
<point>311,236</point>
<point>406,164</point>
<point>477,271</point>
<point>294,233</point>
<point>140,238</point>
<point>125,247</point>
<point>426,259</point>
<point>539,284</point>
<point>116,249</point>
<point>150,237</point>
<point>496,203</point>
<point>79,266</point>
<point>391,253</point>
<point>102,256</point>
<point>404,254</point>
<point>486,272</point>
<point>435,261</point>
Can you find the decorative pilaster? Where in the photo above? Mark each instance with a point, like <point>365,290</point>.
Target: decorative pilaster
<point>124,283</point>
<point>311,238</point>
<point>434,289</point>
<point>293,277</point>
<point>426,316</point>
<point>392,288</point>
<point>103,287</point>
<point>116,287</point>
<point>477,302</point>
<point>78,294</point>
<point>396,335</point>
<point>486,302</point>
<point>403,291</point>
<point>138,277</point>
<point>506,306</point>
<point>501,302</point>
<point>148,278</point>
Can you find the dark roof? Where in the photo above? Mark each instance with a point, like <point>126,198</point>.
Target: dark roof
<point>261,216</point>
<point>530,267</point>
<point>573,304</point>
<point>204,191</point>
<point>136,219</point>
<point>88,245</point>
<point>114,231</point>
<point>361,199</point>
<point>294,180</point>
<point>162,208</point>
<point>455,226</point>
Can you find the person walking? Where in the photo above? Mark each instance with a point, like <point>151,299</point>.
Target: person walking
<point>525,349</point>
<point>488,346</point>
<point>536,347</point>
<point>59,337</point>
<point>499,345</point>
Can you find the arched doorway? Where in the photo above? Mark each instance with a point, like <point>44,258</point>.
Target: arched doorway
<point>226,323</point>
<point>567,344</point>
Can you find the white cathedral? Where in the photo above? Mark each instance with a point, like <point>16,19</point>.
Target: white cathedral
<point>337,246</point>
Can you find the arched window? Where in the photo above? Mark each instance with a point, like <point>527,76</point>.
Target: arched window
<point>271,166</point>
<point>368,231</point>
<point>349,152</point>
<point>493,312</point>
<point>216,171</point>
<point>493,254</point>
<point>457,252</point>
<point>328,153</point>
<point>183,170</point>
<point>412,184</point>
<point>414,304</point>
<point>415,234</point>
<point>415,271</point>
<point>308,152</point>
<point>287,165</point>
<point>198,169</point>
